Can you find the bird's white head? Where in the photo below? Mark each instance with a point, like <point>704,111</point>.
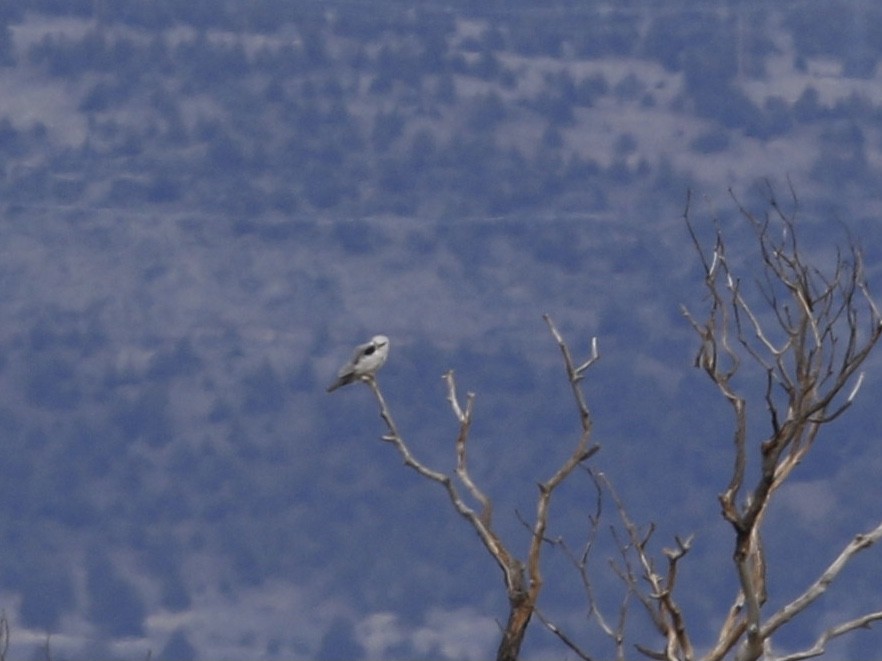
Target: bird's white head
<point>381,351</point>
<point>372,356</point>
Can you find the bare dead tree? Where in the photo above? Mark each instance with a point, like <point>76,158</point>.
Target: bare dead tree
<point>807,337</point>
<point>815,331</point>
<point>522,576</point>
<point>807,332</point>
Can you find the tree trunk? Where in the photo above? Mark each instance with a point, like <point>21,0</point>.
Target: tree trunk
<point>518,619</point>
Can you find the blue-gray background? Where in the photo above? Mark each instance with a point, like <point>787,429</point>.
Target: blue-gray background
<point>205,205</point>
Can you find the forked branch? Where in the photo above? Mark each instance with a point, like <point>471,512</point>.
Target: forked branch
<point>510,567</point>
<point>818,331</point>
<point>523,579</point>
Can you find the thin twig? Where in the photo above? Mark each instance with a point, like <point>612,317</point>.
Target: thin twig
<point>859,543</point>
<point>509,566</point>
<point>464,416</point>
<point>566,640</point>
<point>862,622</point>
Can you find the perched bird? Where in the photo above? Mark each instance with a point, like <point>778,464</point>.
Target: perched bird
<point>367,359</point>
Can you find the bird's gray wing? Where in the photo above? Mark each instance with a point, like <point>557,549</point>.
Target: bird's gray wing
<point>341,381</point>
<point>349,367</point>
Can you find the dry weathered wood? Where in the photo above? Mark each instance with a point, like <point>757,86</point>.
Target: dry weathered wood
<point>523,578</point>
<point>822,328</point>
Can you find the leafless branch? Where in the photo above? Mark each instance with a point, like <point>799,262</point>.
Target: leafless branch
<point>566,640</point>
<point>511,568</point>
<point>659,601</point>
<point>862,622</point>
<point>617,633</point>
<point>859,543</point>
<point>523,580</point>
<point>464,416</point>
<point>575,375</point>
<point>579,561</point>
<point>821,330</point>
<point>584,450</point>
<point>394,437</point>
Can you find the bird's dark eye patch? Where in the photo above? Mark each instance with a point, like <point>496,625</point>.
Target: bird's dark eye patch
<point>370,350</point>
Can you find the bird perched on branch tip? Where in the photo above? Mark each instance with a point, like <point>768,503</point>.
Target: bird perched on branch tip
<point>367,359</point>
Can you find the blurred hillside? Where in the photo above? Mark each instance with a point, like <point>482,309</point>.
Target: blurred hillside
<point>418,110</point>
<point>206,204</point>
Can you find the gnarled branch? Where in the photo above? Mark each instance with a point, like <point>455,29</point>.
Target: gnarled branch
<point>523,580</point>
<point>811,377</point>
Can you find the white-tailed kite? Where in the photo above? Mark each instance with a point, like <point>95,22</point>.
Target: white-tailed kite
<point>367,359</point>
